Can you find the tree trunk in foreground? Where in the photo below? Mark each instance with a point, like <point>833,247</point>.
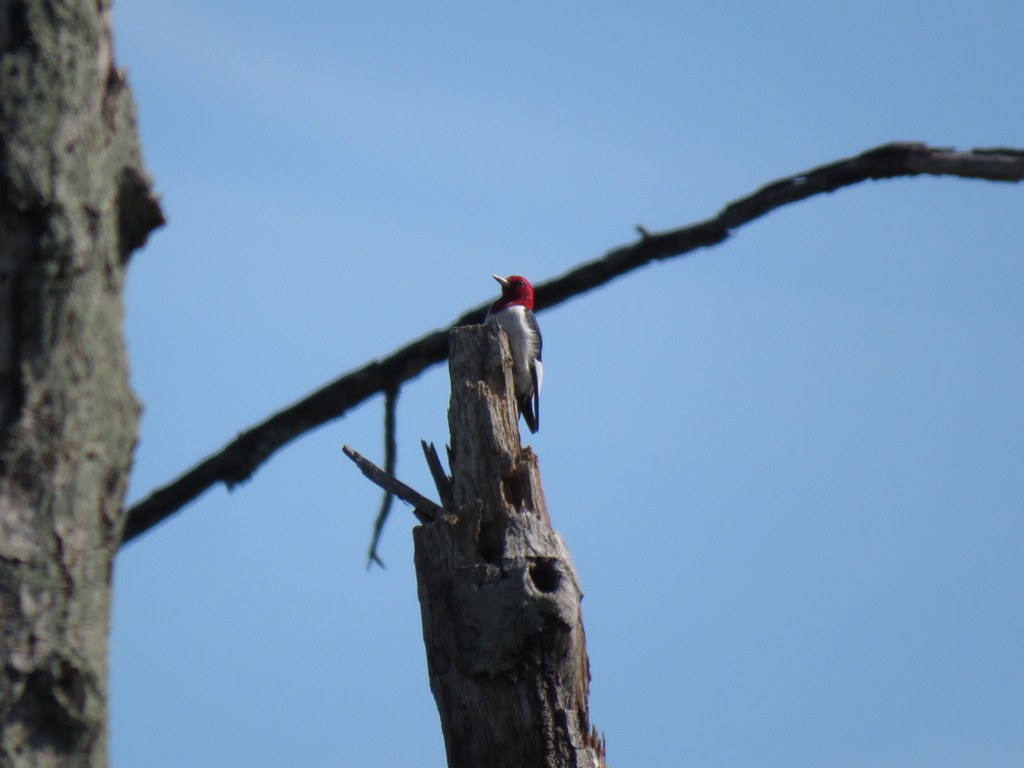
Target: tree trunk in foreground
<point>498,592</point>
<point>74,203</point>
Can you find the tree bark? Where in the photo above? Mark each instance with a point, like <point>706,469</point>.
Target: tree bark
<point>74,203</point>
<point>498,592</point>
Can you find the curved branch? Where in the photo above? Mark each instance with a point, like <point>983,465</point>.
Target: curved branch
<point>240,458</point>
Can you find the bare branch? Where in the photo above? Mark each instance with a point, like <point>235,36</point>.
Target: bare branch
<point>499,595</point>
<point>240,458</point>
<point>426,511</point>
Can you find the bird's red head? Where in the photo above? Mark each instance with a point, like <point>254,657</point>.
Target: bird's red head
<point>515,290</point>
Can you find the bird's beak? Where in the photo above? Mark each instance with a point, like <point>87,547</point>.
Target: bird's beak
<point>502,280</point>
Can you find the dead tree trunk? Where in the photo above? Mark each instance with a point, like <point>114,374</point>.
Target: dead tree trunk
<point>74,203</point>
<point>498,592</point>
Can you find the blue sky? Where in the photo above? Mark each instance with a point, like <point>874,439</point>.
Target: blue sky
<point>790,469</point>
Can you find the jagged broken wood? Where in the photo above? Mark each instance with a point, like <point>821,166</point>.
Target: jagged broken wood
<point>499,595</point>
<point>425,510</point>
<point>442,481</point>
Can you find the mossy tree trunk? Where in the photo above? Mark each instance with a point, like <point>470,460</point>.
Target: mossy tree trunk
<point>74,203</point>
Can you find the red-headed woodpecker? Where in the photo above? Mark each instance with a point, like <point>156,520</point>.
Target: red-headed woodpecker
<point>513,313</point>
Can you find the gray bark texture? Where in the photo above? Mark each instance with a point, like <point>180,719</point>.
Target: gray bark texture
<point>74,203</point>
<point>499,596</point>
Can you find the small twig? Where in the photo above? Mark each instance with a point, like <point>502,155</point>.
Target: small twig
<point>426,511</point>
<point>390,462</point>
<point>442,481</point>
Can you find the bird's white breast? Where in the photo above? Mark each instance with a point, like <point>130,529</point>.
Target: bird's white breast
<point>523,342</point>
